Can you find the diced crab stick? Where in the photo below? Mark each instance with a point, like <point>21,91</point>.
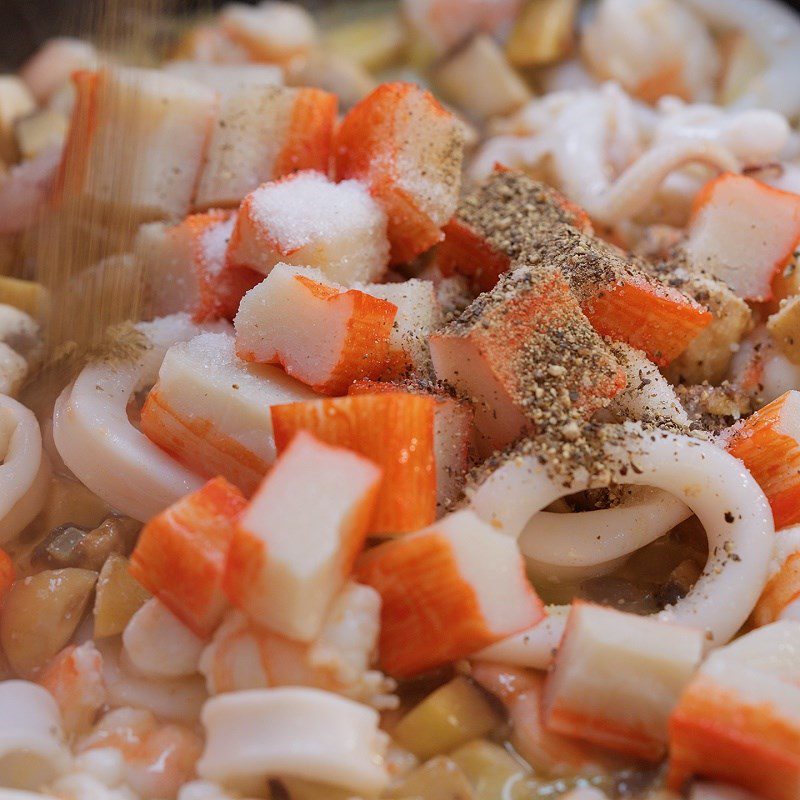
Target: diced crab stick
<point>293,732</point>
<point>408,149</point>
<point>486,354</point>
<point>210,410</point>
<point>617,677</point>
<point>521,691</point>
<point>263,133</point>
<point>320,332</point>
<point>54,63</point>
<point>307,220</point>
<point>742,232</point>
<point>419,313</point>
<point>123,114</point>
<point>396,431</point>
<point>272,31</point>
<point>184,265</point>
<point>778,599</point>
<point>647,315</point>
<point>447,591</point>
<point>768,442</point>
<point>738,721</point>
<point>7,573</point>
<point>75,679</point>
<point>295,545</point>
<point>180,556</point>
<point>452,434</point>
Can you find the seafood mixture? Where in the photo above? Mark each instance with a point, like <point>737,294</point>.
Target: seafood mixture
<point>455,454</point>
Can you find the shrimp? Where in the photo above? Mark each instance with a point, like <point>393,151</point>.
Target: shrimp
<point>652,47</point>
<point>242,656</point>
<point>158,757</point>
<point>75,679</point>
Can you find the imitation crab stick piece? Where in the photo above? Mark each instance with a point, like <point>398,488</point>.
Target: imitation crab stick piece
<point>180,556</point>
<point>768,443</point>
<point>75,679</point>
<point>263,133</point>
<point>617,677</point>
<point>320,332</point>
<point>446,592</point>
<point>778,600</point>
<point>647,315</point>
<point>272,31</point>
<point>477,240</point>
<point>53,64</point>
<point>742,232</point>
<point>295,545</point>
<point>408,149</point>
<point>307,220</point>
<point>184,265</point>
<point>452,434</point>
<point>419,313</point>
<point>738,721</point>
<point>7,573</point>
<point>495,351</point>
<point>395,430</point>
<point>127,116</point>
<point>210,410</point>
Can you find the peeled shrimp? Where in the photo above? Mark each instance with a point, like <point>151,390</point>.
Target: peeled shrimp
<point>97,440</point>
<point>158,757</point>
<point>716,486</point>
<point>24,469</point>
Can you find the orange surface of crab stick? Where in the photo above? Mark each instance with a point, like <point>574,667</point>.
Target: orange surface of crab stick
<point>306,220</point>
<point>493,354</point>
<point>265,132</point>
<point>210,410</point>
<point>742,232</point>
<point>465,251</point>
<point>396,431</point>
<point>617,677</point>
<point>647,315</point>
<point>402,143</point>
<point>122,114</point>
<point>781,591</point>
<point>446,592</point>
<point>452,434</point>
<point>184,267</point>
<point>181,553</point>
<point>321,333</point>
<point>738,721</point>
<point>768,442</point>
<point>295,545</point>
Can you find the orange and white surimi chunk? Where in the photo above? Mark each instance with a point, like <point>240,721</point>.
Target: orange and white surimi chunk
<point>126,116</point>
<point>419,313</point>
<point>271,31</point>
<point>211,411</point>
<point>294,546</point>
<point>768,442</point>
<point>395,431</point>
<point>265,132</point>
<point>780,598</point>
<point>309,221</point>
<point>617,677</point>
<point>742,232</point>
<point>452,434</point>
<point>323,334</point>
<point>447,591</point>
<point>738,721</point>
<point>407,149</point>
<point>184,267</point>
<point>180,556</point>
